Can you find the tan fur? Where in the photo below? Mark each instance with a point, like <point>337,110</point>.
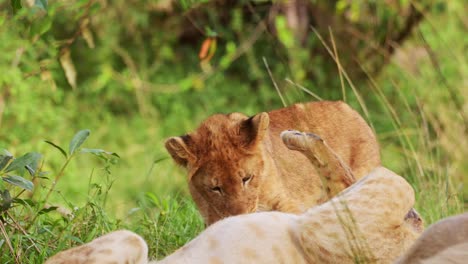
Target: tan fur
<point>333,172</point>
<point>365,222</point>
<point>238,164</point>
<point>119,247</point>
<point>444,242</point>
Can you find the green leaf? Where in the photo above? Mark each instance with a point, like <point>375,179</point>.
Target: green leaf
<point>16,5</point>
<point>5,200</point>
<point>5,158</point>
<point>78,139</point>
<point>30,170</point>
<point>99,152</point>
<point>25,202</point>
<point>285,35</point>
<point>41,26</point>
<point>46,210</point>
<point>41,4</point>
<point>6,152</point>
<point>74,238</point>
<point>30,158</point>
<point>41,175</point>
<point>160,159</point>
<point>19,181</point>
<point>95,8</point>
<point>57,147</point>
<point>133,210</point>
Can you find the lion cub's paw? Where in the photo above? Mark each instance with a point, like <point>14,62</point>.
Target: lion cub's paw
<point>118,247</point>
<point>300,141</point>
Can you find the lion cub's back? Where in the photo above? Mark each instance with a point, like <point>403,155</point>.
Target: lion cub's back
<point>346,132</point>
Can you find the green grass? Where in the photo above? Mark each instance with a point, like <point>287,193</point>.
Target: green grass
<point>411,107</point>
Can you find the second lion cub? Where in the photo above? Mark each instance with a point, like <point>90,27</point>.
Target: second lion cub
<point>237,164</point>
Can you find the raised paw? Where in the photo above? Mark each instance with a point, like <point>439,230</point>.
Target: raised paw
<point>300,141</point>
<point>118,247</point>
<point>334,173</point>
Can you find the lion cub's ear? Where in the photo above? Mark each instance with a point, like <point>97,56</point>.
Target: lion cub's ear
<point>177,147</point>
<point>255,128</point>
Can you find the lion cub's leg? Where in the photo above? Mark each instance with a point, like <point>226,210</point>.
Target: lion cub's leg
<point>119,247</point>
<point>335,174</point>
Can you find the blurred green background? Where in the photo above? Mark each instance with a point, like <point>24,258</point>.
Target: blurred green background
<point>137,72</point>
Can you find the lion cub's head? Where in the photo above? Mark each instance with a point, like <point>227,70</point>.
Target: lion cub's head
<point>224,162</point>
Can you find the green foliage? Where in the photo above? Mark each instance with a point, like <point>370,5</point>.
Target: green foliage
<point>35,206</point>
<point>9,167</point>
<point>16,5</point>
<point>130,71</point>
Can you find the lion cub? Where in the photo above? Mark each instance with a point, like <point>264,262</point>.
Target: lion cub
<point>364,223</point>
<point>238,164</point>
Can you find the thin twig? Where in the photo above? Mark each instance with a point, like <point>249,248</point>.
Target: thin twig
<point>81,23</point>
<point>452,93</point>
<point>304,89</point>
<point>18,226</point>
<point>348,79</point>
<point>273,80</point>
<point>395,118</point>
<point>338,63</point>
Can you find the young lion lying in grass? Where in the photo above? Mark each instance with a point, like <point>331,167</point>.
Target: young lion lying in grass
<point>364,223</point>
<point>238,164</point>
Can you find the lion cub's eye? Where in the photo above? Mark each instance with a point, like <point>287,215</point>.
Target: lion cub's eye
<point>217,189</point>
<point>246,179</point>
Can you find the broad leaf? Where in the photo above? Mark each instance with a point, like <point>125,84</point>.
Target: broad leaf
<point>57,147</point>
<point>19,181</point>
<point>78,139</point>
<point>31,158</point>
